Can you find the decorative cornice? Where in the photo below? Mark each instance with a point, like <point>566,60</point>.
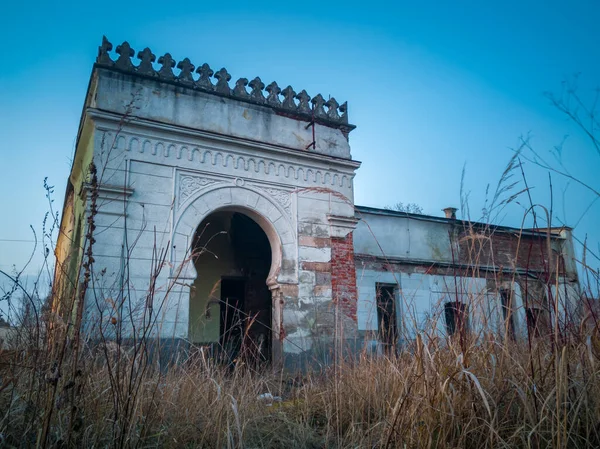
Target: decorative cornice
<point>341,226</point>
<point>281,100</point>
<point>343,222</point>
<point>216,160</point>
<point>175,132</point>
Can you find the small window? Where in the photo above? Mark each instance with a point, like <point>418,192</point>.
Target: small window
<point>387,325</point>
<point>455,313</point>
<point>507,312</point>
<point>532,316</point>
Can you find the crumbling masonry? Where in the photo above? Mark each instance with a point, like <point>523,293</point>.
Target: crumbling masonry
<point>222,204</point>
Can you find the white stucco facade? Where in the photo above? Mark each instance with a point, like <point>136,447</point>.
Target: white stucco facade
<point>172,150</point>
<point>168,156</point>
<point>432,261</point>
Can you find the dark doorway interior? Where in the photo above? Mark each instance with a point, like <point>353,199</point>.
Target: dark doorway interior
<point>232,319</point>
<point>233,265</point>
<point>245,320</point>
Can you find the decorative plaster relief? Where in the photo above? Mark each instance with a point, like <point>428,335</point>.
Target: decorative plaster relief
<point>282,197</point>
<point>283,171</point>
<point>189,184</point>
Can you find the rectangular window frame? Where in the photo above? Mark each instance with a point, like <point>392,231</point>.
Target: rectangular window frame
<point>387,316</point>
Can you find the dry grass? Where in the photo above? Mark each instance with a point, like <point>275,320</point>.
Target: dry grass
<point>431,395</point>
<point>471,391</point>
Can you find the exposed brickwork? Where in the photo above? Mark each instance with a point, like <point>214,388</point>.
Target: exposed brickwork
<point>343,274</point>
<point>315,242</point>
<point>479,254</point>
<point>491,255</point>
<point>316,266</point>
<point>505,250</point>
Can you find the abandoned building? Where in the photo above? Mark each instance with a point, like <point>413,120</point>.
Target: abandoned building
<point>227,209</point>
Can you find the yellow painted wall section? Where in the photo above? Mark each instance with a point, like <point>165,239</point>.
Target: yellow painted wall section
<point>210,265</point>
<point>70,242</point>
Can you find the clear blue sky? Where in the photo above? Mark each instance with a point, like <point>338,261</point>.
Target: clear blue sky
<point>431,86</point>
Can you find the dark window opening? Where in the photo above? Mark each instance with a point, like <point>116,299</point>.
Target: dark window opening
<point>533,321</point>
<point>387,324</point>
<point>455,313</point>
<point>507,312</point>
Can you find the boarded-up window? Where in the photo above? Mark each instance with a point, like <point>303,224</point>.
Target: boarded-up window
<point>386,315</point>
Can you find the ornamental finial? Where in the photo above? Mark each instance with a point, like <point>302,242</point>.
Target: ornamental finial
<point>274,91</point>
<point>318,103</point>
<point>257,87</point>
<point>103,56</point>
<point>204,81</point>
<point>166,71</point>
<point>125,53</point>
<point>240,88</point>
<point>147,58</point>
<point>187,69</point>
<point>222,81</point>
<point>303,102</point>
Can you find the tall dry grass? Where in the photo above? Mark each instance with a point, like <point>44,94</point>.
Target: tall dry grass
<point>479,389</point>
<point>433,394</point>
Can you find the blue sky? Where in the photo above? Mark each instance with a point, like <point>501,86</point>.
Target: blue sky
<point>432,86</point>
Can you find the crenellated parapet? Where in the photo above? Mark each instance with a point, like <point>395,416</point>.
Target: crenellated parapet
<point>287,101</point>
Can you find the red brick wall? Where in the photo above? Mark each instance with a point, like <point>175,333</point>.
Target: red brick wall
<point>504,250</point>
<point>343,274</point>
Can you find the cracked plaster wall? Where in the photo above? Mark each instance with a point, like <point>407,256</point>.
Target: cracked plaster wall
<point>183,155</point>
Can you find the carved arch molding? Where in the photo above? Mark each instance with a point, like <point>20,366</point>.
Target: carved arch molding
<point>199,196</point>
<point>191,185</point>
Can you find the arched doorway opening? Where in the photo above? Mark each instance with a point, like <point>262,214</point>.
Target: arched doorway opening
<point>230,303</point>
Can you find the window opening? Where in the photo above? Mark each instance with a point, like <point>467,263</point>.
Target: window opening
<point>532,316</point>
<point>387,324</point>
<point>455,313</point>
<point>507,312</point>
